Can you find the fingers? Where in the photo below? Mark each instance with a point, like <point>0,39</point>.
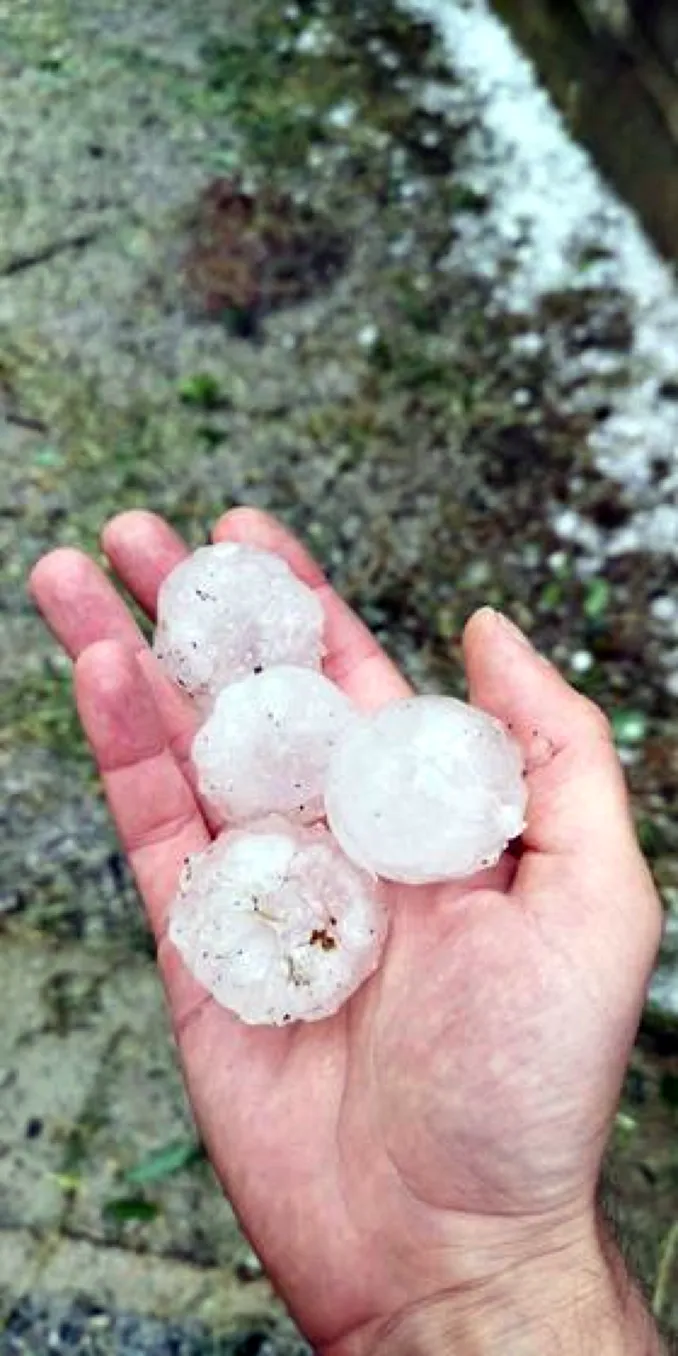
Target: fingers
<point>574,773</point>
<point>79,604</point>
<point>354,658</point>
<point>578,814</point>
<point>81,607</point>
<point>143,549</point>
<point>155,811</point>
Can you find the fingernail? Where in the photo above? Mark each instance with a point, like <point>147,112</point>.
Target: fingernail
<point>513,630</point>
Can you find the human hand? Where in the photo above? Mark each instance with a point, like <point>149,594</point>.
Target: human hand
<point>431,1153</point>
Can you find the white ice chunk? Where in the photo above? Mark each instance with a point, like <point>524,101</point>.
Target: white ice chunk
<point>266,746</point>
<point>229,610</point>
<point>277,924</point>
<point>426,789</point>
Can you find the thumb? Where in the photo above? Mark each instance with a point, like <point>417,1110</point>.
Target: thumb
<point>578,794</point>
<point>578,814</point>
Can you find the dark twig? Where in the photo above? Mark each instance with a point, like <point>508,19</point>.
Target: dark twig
<point>21,263</point>
<point>24,421</point>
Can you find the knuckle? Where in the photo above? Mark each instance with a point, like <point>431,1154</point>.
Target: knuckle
<point>596,720</point>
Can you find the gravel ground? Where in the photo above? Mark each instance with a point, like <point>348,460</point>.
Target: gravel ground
<point>81,1329</point>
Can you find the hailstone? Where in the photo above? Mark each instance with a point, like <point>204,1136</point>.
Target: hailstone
<point>229,610</point>
<point>277,924</point>
<point>266,745</point>
<point>426,789</point>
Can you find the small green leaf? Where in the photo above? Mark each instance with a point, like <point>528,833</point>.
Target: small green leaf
<point>67,1181</point>
<point>202,391</point>
<point>164,1162</point>
<point>560,565</point>
<point>552,595</point>
<point>629,727</point>
<point>48,456</point>
<point>446,624</point>
<point>651,837</point>
<point>667,1258</point>
<point>625,1126</point>
<point>128,1209</point>
<point>597,599</point>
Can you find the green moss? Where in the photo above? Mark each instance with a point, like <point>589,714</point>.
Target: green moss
<point>202,391</point>
<point>78,1138</point>
<point>36,33</point>
<point>410,364</point>
<point>103,458</point>
<point>71,1000</point>
<point>39,709</point>
<point>283,98</point>
<point>123,1210</point>
<point>652,837</point>
<point>630,727</point>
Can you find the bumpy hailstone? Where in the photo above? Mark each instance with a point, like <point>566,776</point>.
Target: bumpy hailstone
<point>229,610</point>
<point>277,924</point>
<point>267,744</point>
<point>426,789</point>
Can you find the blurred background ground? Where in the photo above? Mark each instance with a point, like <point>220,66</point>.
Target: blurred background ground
<point>339,260</point>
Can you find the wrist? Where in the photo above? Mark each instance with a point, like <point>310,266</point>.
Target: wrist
<point>594,1324</point>
<point>571,1300</point>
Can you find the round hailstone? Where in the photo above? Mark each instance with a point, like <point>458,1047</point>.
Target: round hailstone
<point>426,789</point>
<point>277,924</point>
<point>267,744</point>
<point>229,610</point>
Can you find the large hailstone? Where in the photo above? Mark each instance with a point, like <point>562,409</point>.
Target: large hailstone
<point>267,744</point>
<point>277,924</point>
<point>229,610</point>
<point>426,789</point>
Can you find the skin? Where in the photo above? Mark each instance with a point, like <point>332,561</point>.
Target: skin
<point>418,1172</point>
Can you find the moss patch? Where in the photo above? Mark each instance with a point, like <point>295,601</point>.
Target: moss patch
<point>40,709</point>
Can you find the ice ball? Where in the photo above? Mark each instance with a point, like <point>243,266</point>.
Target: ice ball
<point>277,924</point>
<point>229,610</point>
<point>426,789</point>
<point>267,744</point>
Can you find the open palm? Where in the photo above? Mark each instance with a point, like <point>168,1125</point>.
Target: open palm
<point>456,1110</point>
